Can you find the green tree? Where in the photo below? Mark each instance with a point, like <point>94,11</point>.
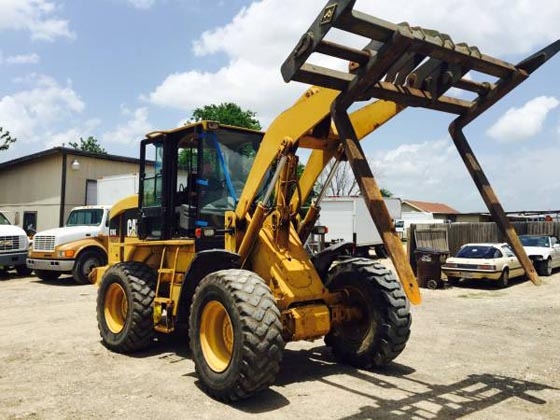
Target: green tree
<point>6,139</point>
<point>91,144</point>
<point>227,113</point>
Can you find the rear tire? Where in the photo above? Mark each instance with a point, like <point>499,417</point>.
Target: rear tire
<point>47,275</point>
<point>381,334</point>
<point>125,307</point>
<point>23,270</point>
<point>87,261</point>
<point>235,334</point>
<point>504,279</point>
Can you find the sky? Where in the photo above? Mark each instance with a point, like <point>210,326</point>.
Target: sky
<point>118,69</point>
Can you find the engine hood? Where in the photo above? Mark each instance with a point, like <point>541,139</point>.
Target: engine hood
<point>537,250</point>
<point>11,230</point>
<point>70,233</point>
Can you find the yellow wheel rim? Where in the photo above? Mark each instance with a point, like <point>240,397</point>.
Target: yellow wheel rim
<point>216,336</point>
<point>116,308</point>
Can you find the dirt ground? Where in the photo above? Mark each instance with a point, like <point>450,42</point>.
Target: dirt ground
<point>476,352</point>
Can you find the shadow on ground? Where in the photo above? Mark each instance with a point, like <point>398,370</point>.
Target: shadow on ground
<point>435,401</point>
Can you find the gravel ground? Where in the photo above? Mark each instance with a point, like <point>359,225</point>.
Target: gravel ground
<point>476,352</point>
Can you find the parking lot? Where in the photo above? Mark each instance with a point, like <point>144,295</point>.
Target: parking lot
<point>476,352</point>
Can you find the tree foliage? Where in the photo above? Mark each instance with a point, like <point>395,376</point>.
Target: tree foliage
<point>91,144</point>
<point>6,139</point>
<point>227,113</point>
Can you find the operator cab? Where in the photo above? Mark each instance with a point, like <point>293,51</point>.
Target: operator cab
<point>198,174</point>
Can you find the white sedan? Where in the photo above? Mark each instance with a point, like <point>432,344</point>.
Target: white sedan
<point>543,250</point>
<point>483,261</point>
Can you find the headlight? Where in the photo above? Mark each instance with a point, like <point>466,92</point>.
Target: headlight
<point>69,253</point>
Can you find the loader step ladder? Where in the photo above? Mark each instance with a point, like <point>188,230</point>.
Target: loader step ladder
<point>415,67</point>
<point>163,304</point>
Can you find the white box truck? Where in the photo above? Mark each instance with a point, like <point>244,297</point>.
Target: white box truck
<point>348,219</point>
<point>111,189</point>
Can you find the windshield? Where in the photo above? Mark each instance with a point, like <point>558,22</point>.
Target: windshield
<point>479,252</point>
<point>529,240</point>
<point>4,220</point>
<point>85,217</point>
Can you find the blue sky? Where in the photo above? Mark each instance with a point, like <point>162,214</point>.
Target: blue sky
<point>117,69</point>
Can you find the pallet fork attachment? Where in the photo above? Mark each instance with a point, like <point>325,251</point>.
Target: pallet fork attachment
<point>410,66</point>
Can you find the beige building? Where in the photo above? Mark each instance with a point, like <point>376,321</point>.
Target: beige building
<point>39,190</point>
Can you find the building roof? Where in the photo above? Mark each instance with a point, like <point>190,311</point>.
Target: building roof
<point>436,208</point>
<point>67,151</point>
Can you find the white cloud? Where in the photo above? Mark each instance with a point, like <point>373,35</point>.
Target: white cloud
<point>433,171</point>
<point>130,132</point>
<point>38,17</point>
<point>22,59</point>
<point>142,4</point>
<point>429,171</point>
<point>519,124</point>
<point>31,113</point>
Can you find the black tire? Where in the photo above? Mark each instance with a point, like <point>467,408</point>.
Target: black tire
<point>503,281</point>
<point>87,260</point>
<point>47,275</point>
<point>454,281</point>
<point>235,334</point>
<point>544,268</point>
<point>382,333</point>
<point>23,270</point>
<point>432,284</point>
<point>125,307</point>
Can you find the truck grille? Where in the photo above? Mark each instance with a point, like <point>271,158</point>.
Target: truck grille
<point>8,243</point>
<point>43,243</point>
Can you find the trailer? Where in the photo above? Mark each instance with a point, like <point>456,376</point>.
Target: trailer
<point>347,219</point>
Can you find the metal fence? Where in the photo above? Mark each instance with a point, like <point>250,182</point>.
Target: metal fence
<point>448,238</point>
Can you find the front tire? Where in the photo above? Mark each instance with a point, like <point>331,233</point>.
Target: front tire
<point>125,307</point>
<point>87,261</point>
<point>545,268</point>
<point>381,333</point>
<point>454,281</point>
<point>235,334</point>
<point>47,275</point>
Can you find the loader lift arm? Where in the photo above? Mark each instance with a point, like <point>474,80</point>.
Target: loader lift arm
<point>411,66</point>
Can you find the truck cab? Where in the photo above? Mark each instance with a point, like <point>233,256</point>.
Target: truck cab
<point>13,247</point>
<point>76,248</point>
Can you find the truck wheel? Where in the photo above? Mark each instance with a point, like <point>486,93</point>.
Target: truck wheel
<point>23,270</point>
<point>235,334</point>
<point>47,275</point>
<point>545,268</point>
<point>125,307</point>
<point>503,281</point>
<point>382,330</point>
<point>87,261</point>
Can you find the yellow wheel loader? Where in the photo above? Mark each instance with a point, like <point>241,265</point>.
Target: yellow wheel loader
<point>213,246</point>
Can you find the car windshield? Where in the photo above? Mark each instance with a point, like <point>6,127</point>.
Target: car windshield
<point>478,251</point>
<point>530,240</point>
<point>4,220</point>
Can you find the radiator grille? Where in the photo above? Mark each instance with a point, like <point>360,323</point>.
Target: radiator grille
<point>8,243</point>
<point>43,243</point>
